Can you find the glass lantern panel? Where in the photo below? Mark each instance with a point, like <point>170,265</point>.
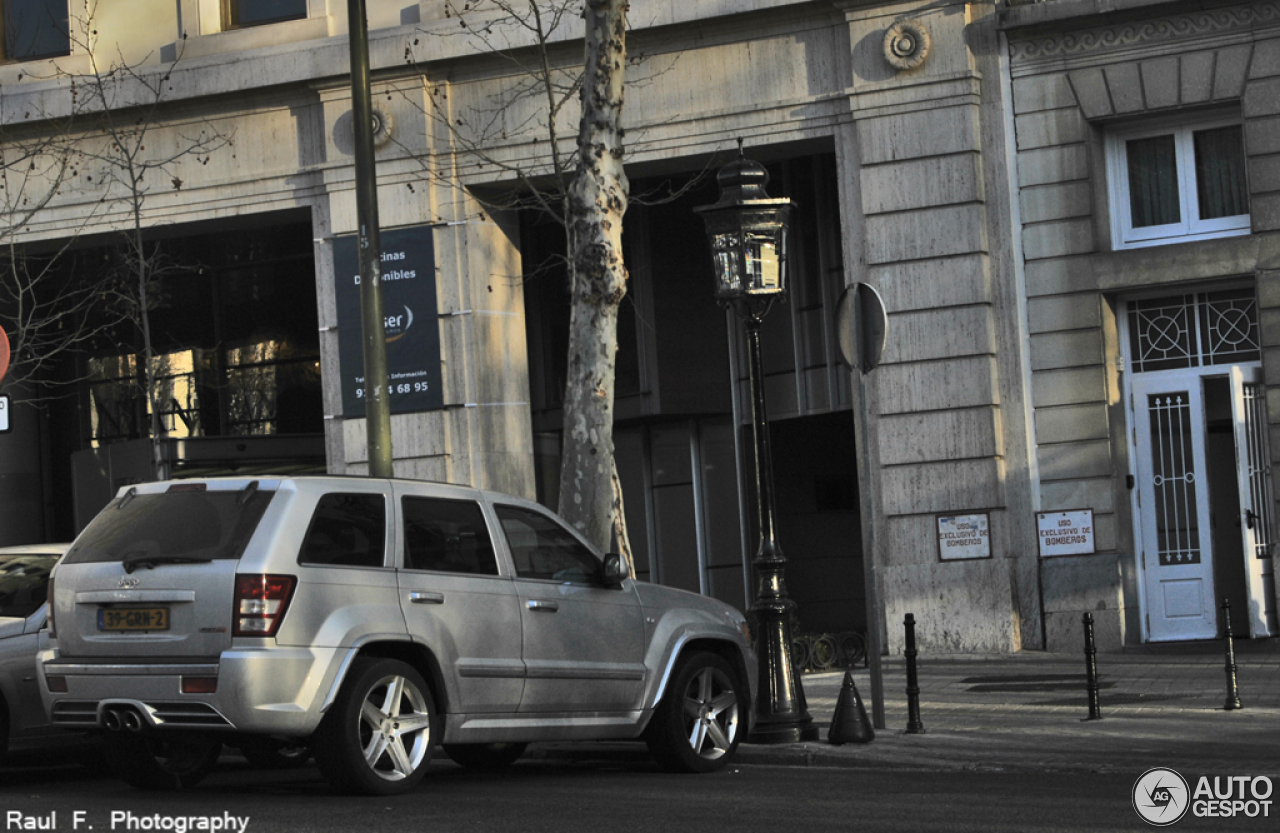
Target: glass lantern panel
<point>724,250</point>
<point>764,267</point>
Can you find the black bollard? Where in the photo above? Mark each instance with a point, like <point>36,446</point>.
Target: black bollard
<point>914,725</point>
<point>1091,668</point>
<point>1233,697</point>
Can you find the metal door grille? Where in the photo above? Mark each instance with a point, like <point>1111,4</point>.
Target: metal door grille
<point>1174,479</point>
<point>1195,330</point>
<point>1258,470</point>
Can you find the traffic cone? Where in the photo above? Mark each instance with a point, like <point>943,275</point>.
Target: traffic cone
<point>849,723</point>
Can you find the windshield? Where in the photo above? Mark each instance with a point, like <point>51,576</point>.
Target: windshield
<point>24,582</point>
<point>184,526</point>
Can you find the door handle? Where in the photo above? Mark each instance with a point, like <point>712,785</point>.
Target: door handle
<point>1249,518</point>
<point>427,598</point>
<point>540,604</point>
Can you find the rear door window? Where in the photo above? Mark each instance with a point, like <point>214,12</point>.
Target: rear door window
<point>446,536</point>
<point>347,530</point>
<point>190,525</point>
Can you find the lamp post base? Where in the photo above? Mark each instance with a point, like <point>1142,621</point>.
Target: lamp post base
<point>783,731</point>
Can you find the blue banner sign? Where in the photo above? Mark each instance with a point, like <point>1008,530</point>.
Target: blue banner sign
<point>413,332</point>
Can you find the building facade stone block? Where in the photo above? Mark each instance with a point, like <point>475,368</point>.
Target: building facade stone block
<point>1053,165</point>
<point>942,333</point>
<point>1096,493</point>
<point>928,386</point>
<point>1124,83</point>
<point>917,235</point>
<point>917,134</point>
<point>1051,128</point>
<point>959,606</point>
<point>1230,72</point>
<point>1061,275</point>
<point>1042,92</point>
<point>952,486</point>
<point>1090,87</point>
<point>1195,74</point>
<point>1056,202</point>
<point>1075,348</point>
<point>1075,460</point>
<point>939,435</point>
<point>922,183</point>
<point>1068,386</point>
<point>1069,423</point>
<point>1058,239</point>
<point>1063,312</point>
<point>1160,84</point>
<point>938,282</point>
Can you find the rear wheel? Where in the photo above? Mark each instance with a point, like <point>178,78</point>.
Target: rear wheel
<point>161,761</point>
<point>485,757</point>
<point>695,727</point>
<point>377,737</point>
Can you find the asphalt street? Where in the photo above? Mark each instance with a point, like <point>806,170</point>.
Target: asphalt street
<point>601,794</point>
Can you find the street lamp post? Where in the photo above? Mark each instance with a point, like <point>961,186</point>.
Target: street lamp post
<point>748,235</point>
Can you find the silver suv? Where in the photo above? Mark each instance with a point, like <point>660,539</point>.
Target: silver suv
<point>373,620</point>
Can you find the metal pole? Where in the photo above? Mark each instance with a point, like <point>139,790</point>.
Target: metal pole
<point>870,593</point>
<point>1091,668</point>
<point>377,397</point>
<point>1233,696</point>
<point>781,715</point>
<point>915,726</point>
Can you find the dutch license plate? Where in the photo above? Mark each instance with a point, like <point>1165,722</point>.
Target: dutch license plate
<point>133,619</point>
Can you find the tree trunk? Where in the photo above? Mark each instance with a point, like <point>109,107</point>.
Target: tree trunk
<point>597,200</point>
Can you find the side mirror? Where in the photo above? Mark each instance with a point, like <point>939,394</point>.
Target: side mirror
<point>615,570</point>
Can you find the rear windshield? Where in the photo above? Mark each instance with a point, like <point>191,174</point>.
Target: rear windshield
<point>24,580</point>
<point>194,525</point>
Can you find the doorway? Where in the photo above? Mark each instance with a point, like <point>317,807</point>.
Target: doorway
<point>1204,512</point>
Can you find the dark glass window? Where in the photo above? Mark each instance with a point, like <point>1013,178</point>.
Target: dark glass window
<point>24,583</point>
<point>1153,181</point>
<point>253,12</point>
<point>541,548</point>
<point>35,29</point>
<point>347,530</point>
<point>446,536</point>
<point>188,524</point>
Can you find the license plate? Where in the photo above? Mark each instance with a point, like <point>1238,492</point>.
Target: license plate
<point>133,619</point>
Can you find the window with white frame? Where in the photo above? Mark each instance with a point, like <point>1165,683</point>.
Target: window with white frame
<point>31,29</point>
<point>240,13</point>
<point>1171,183</point>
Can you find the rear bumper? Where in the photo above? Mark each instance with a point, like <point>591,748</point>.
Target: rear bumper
<point>277,691</point>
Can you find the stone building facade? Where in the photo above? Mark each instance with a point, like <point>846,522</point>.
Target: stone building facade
<point>953,155</point>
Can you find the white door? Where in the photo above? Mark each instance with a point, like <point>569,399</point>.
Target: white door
<point>1173,498</point>
<point>1253,467</point>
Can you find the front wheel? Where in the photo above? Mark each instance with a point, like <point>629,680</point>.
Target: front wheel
<point>377,737</point>
<point>161,761</point>
<point>696,726</point>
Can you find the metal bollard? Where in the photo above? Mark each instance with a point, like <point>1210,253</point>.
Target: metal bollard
<point>1091,668</point>
<point>1233,697</point>
<point>914,724</point>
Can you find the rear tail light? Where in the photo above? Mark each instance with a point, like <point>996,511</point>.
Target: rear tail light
<point>49,616</point>
<point>199,685</point>
<point>260,604</point>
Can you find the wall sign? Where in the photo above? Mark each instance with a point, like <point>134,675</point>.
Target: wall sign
<point>962,537</point>
<point>1065,533</point>
<point>413,332</point>
<point>4,413</point>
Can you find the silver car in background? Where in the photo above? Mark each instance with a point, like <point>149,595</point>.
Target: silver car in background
<point>24,579</point>
<point>374,620</point>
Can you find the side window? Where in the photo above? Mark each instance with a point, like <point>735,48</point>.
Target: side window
<point>347,530</point>
<point>238,13</point>
<point>541,548</point>
<point>446,536</point>
<point>34,29</point>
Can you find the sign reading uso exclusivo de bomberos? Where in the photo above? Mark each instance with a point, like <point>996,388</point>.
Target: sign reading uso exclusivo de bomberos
<point>1065,533</point>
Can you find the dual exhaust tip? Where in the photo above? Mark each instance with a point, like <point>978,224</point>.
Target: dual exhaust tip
<point>122,719</point>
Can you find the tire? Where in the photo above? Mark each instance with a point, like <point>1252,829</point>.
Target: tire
<point>824,653</point>
<point>800,653</point>
<point>269,753</point>
<point>387,757</point>
<point>698,724</point>
<point>485,757</point>
<point>161,761</point>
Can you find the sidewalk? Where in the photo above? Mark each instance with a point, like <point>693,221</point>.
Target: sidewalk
<point>1027,711</point>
